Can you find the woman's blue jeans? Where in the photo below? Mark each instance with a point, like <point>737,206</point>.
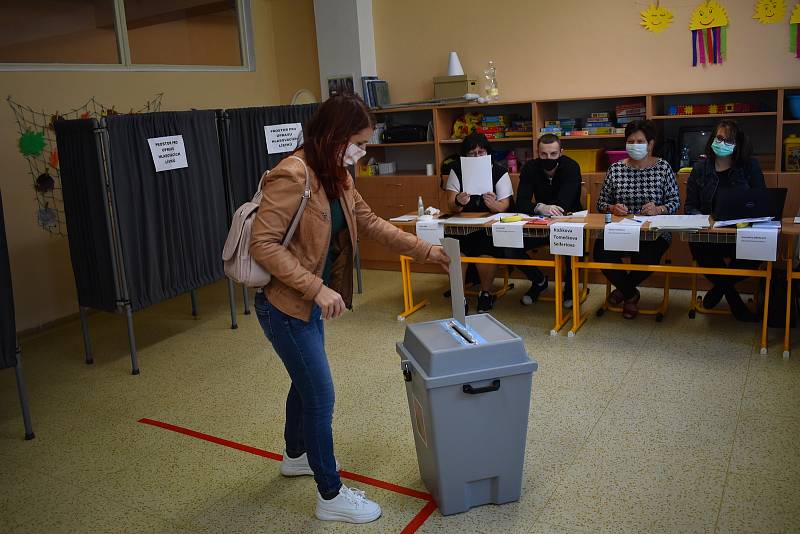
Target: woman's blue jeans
<point>309,405</point>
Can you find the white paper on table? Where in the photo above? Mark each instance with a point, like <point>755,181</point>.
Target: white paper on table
<point>566,238</point>
<point>624,237</point>
<point>508,234</point>
<point>732,222</point>
<point>476,175</point>
<point>498,216</point>
<point>404,218</point>
<point>767,224</point>
<point>679,222</point>
<point>467,221</point>
<point>631,222</point>
<point>757,244</point>
<point>573,215</point>
<point>797,220</point>
<point>430,231</point>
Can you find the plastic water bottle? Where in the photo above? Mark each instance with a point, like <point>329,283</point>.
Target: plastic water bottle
<point>512,162</point>
<point>685,158</point>
<point>420,207</point>
<point>492,93</point>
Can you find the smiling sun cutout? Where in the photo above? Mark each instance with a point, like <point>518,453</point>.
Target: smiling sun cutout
<point>709,26</point>
<point>656,18</point>
<point>709,14</point>
<point>770,11</point>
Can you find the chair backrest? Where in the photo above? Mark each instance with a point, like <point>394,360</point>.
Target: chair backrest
<point>586,194</point>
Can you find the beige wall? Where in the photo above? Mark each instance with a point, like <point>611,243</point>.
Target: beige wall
<point>41,270</point>
<point>587,48</point>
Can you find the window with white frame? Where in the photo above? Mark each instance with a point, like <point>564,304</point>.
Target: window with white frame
<point>125,34</point>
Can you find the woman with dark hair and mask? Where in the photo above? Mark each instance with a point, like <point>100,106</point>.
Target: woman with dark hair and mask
<point>728,163</point>
<point>498,200</point>
<point>312,281</point>
<point>639,184</point>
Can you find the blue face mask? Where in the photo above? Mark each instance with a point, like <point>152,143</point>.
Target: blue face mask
<point>637,151</point>
<point>722,149</point>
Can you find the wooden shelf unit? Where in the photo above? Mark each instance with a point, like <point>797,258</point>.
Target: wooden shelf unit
<point>397,145</point>
<point>392,195</point>
<point>715,115</point>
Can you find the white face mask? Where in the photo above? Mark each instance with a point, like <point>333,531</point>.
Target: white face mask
<point>637,151</point>
<point>352,155</point>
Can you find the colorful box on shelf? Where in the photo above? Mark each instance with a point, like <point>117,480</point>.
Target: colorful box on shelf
<point>715,109</point>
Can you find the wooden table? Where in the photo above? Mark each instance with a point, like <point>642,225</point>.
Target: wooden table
<point>595,222</point>
<point>529,230</point>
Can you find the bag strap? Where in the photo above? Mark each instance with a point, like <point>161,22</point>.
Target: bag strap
<point>303,202</point>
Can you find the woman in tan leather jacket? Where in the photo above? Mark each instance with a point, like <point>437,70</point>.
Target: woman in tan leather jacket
<point>312,280</point>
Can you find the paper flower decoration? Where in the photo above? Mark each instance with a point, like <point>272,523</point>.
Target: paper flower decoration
<point>656,18</point>
<point>31,143</point>
<point>709,33</point>
<point>794,38</point>
<point>44,183</point>
<point>769,11</point>
<point>54,159</point>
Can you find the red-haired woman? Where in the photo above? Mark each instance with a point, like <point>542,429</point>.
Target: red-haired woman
<point>312,280</point>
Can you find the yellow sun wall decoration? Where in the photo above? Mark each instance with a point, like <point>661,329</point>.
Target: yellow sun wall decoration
<point>794,35</point>
<point>709,26</point>
<point>770,11</point>
<point>656,18</point>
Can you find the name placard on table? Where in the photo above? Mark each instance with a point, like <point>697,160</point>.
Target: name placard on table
<point>566,238</point>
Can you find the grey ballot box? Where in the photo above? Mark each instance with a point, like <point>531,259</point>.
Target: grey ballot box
<point>469,391</point>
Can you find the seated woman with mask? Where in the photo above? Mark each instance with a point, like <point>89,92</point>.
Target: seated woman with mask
<point>640,184</point>
<point>496,201</point>
<point>728,163</point>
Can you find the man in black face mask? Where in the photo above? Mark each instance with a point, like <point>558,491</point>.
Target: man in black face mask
<point>549,185</point>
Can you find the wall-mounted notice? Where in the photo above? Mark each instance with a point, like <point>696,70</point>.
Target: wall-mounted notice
<point>168,152</point>
<point>283,137</point>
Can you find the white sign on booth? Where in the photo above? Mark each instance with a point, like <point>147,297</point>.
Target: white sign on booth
<point>283,137</point>
<point>168,152</point>
<point>566,239</point>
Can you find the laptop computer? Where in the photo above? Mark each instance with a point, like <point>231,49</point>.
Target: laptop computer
<point>732,204</point>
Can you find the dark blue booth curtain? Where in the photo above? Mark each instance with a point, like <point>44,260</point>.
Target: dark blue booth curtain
<point>247,144</point>
<point>172,224</point>
<point>83,189</point>
<point>8,328</point>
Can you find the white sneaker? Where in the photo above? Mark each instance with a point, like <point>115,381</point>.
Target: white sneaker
<point>350,506</point>
<point>295,467</point>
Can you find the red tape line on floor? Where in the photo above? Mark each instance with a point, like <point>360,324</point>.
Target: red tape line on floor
<point>412,527</point>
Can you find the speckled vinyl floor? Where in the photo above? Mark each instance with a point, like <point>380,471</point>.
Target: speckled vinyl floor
<point>635,426</point>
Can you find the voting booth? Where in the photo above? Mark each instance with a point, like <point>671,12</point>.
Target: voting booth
<point>146,204</point>
<point>9,351</point>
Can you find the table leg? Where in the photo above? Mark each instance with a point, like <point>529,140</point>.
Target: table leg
<point>787,341</point>
<point>766,309</point>
<point>559,300</point>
